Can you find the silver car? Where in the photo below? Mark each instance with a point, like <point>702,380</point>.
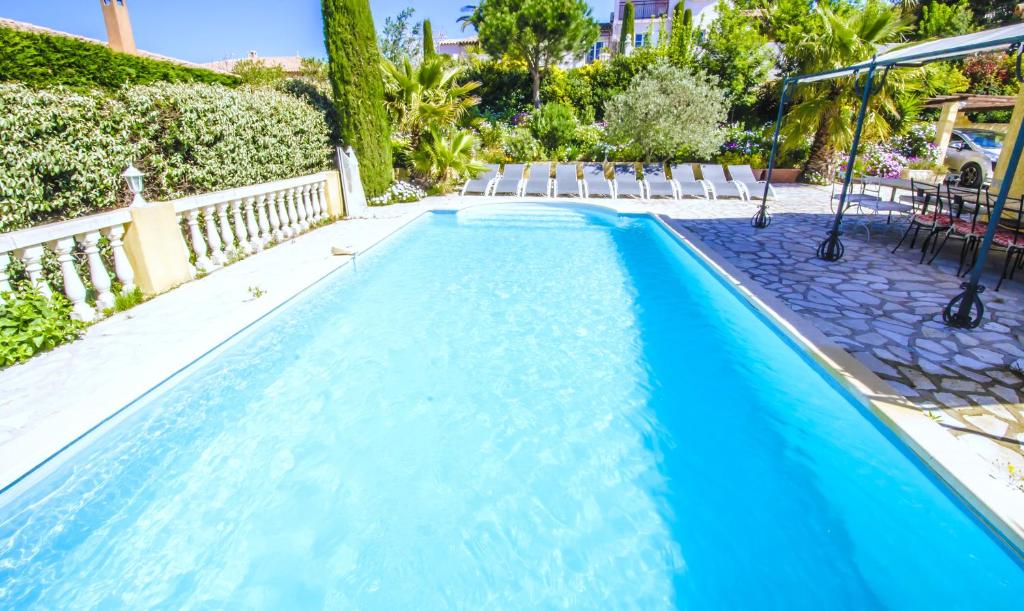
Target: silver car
<point>973,153</point>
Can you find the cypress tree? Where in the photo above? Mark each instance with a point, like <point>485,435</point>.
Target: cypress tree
<point>627,32</point>
<point>358,86</point>
<point>428,40</point>
<point>680,51</point>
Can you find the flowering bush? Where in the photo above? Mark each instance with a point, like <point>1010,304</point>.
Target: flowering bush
<point>881,160</point>
<point>399,193</point>
<point>917,145</point>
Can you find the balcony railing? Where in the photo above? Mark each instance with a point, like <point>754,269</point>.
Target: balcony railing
<point>646,9</point>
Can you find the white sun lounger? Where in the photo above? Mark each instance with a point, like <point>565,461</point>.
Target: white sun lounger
<point>720,185</point>
<point>511,180</point>
<point>687,184</point>
<point>539,182</point>
<point>755,188</point>
<point>658,183</point>
<point>594,182</point>
<point>626,182</point>
<point>483,183</point>
<point>567,182</point>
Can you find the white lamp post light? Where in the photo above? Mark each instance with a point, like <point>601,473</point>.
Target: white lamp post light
<point>134,179</point>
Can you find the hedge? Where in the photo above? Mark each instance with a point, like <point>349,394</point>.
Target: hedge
<point>46,60</point>
<point>62,151</point>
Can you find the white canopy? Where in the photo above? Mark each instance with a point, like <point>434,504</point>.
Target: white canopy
<point>933,50</point>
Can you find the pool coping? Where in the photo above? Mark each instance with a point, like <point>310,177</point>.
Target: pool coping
<point>966,474</point>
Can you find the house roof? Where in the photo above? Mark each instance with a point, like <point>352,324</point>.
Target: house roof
<point>468,40</point>
<point>291,64</point>
<point>38,29</point>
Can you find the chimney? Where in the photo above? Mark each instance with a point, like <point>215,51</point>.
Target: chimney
<point>119,26</point>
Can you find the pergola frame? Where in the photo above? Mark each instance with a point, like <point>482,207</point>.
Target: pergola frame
<point>966,309</point>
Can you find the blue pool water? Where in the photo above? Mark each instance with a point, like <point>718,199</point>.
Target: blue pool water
<point>503,408</point>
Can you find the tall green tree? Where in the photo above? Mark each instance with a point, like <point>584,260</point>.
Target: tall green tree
<point>431,94</point>
<point>354,68</point>
<point>538,32</point>
<point>400,37</point>
<point>683,37</point>
<point>939,20</point>
<point>737,53</point>
<point>628,31</point>
<point>827,109</point>
<point>428,40</point>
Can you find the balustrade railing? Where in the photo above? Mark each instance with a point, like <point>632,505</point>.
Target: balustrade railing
<point>75,247</point>
<point>82,258</point>
<point>228,225</point>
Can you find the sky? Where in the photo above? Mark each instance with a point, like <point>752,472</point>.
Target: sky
<point>208,30</point>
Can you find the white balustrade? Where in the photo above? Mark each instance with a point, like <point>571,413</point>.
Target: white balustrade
<point>97,271</point>
<point>252,229</point>
<point>300,208</point>
<point>122,267</point>
<point>73,287</point>
<point>263,220</point>
<point>90,250</point>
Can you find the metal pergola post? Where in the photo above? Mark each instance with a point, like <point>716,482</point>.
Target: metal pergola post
<point>966,310</point>
<point>762,218</point>
<point>831,248</point>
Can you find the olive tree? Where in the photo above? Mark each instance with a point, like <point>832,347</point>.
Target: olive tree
<point>539,33</point>
<point>667,111</point>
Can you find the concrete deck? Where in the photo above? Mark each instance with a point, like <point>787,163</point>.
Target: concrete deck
<point>881,307</point>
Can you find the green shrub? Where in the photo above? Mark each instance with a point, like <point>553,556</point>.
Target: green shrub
<point>358,87</point>
<point>46,60</point>
<point>520,145</point>
<point>554,125</point>
<point>62,152</point>
<point>31,323</point>
<point>505,89</point>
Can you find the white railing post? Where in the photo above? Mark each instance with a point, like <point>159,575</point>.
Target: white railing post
<point>32,257</point>
<point>307,196</point>
<point>320,204</point>
<point>252,227</point>
<point>97,271</point>
<point>276,233</point>
<point>226,236</point>
<point>203,261</point>
<point>73,287</point>
<point>263,220</point>
<point>5,285</point>
<point>213,238</point>
<point>293,215</point>
<point>282,213</point>
<point>300,209</point>
<point>241,231</point>
<point>122,267</point>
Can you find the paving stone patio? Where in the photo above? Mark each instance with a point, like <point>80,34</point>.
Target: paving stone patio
<point>886,309</point>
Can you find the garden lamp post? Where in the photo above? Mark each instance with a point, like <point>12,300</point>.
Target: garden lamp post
<point>134,177</point>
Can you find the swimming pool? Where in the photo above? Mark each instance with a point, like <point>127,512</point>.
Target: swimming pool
<point>512,406</point>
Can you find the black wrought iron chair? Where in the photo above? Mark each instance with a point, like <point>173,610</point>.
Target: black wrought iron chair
<point>1009,235</point>
<point>931,213</point>
<point>970,212</point>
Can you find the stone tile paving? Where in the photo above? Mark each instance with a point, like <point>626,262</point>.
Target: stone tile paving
<point>886,309</point>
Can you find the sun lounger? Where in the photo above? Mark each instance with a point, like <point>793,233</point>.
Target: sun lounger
<point>567,182</point>
<point>657,182</point>
<point>720,185</point>
<point>483,183</point>
<point>539,181</point>
<point>686,184</point>
<point>595,183</point>
<point>511,180</point>
<point>626,182</point>
<point>745,175</point>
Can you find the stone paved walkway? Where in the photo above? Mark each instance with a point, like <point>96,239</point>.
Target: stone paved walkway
<point>886,309</point>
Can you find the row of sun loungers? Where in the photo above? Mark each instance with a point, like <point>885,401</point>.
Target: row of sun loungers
<point>567,181</point>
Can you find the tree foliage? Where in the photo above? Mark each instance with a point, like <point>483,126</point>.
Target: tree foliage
<point>537,32</point>
<point>683,38</point>
<point>628,32</point>
<point>46,60</point>
<point>400,37</point>
<point>430,94</point>
<point>429,50</point>
<point>667,112</point>
<point>358,89</point>
<point>447,158</point>
<point>256,73</point>
<point>939,20</point>
<point>737,53</point>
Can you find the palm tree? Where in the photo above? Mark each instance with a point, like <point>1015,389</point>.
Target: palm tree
<point>446,158</point>
<point>827,109</point>
<point>426,95</point>
<point>465,20</point>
